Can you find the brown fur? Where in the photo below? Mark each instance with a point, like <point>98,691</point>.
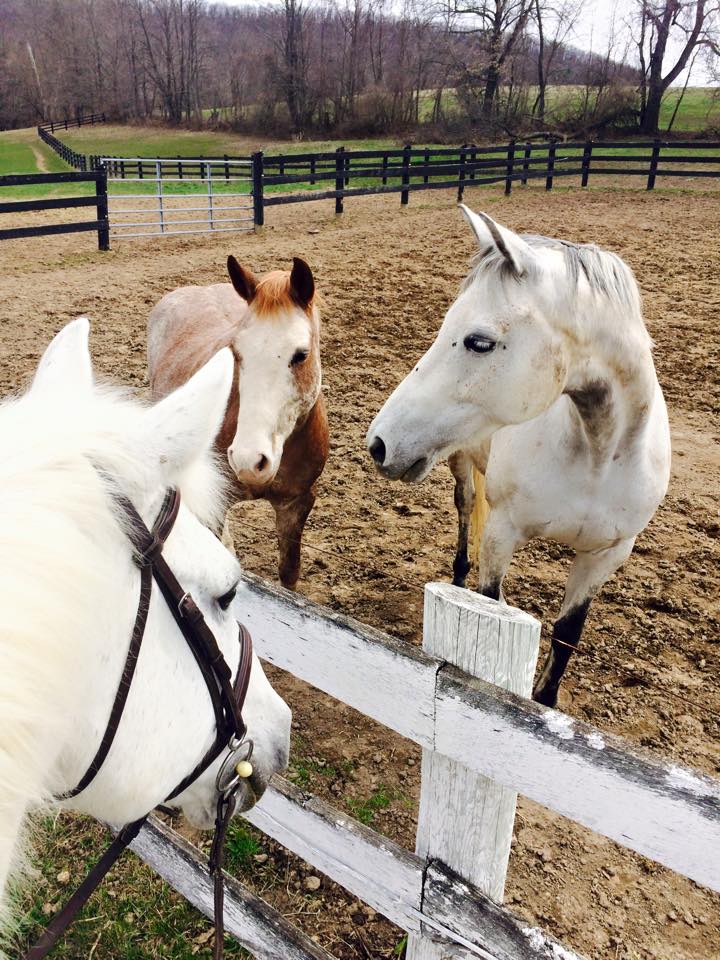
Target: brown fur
<point>194,337</point>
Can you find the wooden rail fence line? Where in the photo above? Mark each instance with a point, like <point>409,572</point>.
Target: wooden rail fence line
<point>355,173</point>
<point>463,699</point>
<point>99,200</point>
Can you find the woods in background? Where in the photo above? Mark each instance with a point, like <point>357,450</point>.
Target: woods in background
<point>347,67</point>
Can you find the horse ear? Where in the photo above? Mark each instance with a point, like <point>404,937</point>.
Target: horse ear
<point>302,284</point>
<point>491,234</point>
<point>243,280</point>
<point>183,426</point>
<point>66,365</point>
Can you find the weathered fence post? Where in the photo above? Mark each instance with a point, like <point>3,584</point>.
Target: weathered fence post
<point>465,819</point>
<point>509,167</point>
<point>339,178</point>
<point>257,189</point>
<point>550,165</point>
<point>526,163</point>
<point>655,156</point>
<point>405,194</point>
<point>101,195</point>
<point>461,173</point>
<point>587,154</point>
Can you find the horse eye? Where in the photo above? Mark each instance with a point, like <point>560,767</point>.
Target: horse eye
<point>478,343</point>
<point>300,356</point>
<point>227,598</point>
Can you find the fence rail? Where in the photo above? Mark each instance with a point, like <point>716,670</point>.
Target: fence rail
<point>68,123</point>
<point>99,200</point>
<point>479,740</point>
<point>300,177</point>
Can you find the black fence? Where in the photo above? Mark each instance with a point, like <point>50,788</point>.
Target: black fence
<point>80,161</point>
<point>98,200</point>
<point>178,168</point>
<point>67,123</point>
<point>404,171</point>
<point>302,177</point>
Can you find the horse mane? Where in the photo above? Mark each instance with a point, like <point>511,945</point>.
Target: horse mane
<point>607,275</point>
<point>272,295</point>
<point>59,529</point>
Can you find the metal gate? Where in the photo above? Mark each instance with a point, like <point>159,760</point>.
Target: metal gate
<point>180,196</point>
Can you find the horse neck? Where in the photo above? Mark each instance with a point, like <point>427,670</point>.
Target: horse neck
<point>611,377</point>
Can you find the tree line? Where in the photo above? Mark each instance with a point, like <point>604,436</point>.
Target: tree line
<point>457,68</point>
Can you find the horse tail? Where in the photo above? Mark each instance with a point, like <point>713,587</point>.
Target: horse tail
<point>478,517</point>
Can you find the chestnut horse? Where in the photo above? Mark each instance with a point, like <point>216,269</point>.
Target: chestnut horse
<point>275,432</point>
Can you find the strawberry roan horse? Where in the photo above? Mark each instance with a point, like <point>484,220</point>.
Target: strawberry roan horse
<point>541,378</point>
<point>275,432</point>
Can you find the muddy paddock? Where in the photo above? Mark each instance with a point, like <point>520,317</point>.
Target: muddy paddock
<point>650,667</point>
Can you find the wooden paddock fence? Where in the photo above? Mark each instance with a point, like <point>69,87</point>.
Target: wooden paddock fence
<point>462,698</point>
<point>279,179</point>
<point>98,200</point>
<point>81,120</point>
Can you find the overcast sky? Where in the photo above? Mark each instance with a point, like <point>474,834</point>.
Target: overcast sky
<point>592,31</point>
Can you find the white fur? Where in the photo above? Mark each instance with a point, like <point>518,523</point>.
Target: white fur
<point>270,402</point>
<point>565,319</point>
<point>69,595</point>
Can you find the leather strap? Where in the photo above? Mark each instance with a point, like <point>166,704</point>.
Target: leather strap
<point>160,531</point>
<point>62,920</point>
<point>227,698</point>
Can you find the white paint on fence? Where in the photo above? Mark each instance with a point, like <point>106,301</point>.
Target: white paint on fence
<point>618,791</point>
<point>466,820</point>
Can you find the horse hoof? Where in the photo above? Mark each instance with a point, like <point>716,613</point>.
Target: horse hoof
<point>547,697</point>
<point>458,582</point>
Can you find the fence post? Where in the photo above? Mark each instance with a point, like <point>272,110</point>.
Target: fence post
<point>509,167</point>
<point>461,173</point>
<point>653,165</point>
<point>587,154</point>
<point>101,195</point>
<point>465,819</point>
<point>339,178</point>
<point>405,194</point>
<point>426,157</point>
<point>526,163</point>
<point>384,168</point>
<point>257,189</point>
<point>550,165</point>
<point>473,160</point>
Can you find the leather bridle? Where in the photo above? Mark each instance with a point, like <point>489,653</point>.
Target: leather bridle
<point>226,696</point>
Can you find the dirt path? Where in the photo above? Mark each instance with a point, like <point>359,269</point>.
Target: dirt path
<point>387,276</point>
<point>39,159</point>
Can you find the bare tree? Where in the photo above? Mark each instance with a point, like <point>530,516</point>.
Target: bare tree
<point>554,23</point>
<point>664,23</point>
<point>500,24</point>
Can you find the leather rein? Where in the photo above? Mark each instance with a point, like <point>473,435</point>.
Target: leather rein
<point>226,696</point>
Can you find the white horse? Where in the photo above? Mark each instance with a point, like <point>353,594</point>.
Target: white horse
<point>541,377</point>
<point>69,596</point>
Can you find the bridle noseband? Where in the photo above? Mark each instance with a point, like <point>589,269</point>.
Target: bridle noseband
<point>226,696</point>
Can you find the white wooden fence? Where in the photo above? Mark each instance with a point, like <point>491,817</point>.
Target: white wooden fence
<point>462,698</point>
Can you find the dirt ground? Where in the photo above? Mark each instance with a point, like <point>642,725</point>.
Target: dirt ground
<point>650,671</point>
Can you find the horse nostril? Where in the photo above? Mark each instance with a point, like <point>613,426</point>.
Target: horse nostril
<point>261,464</point>
<point>377,451</point>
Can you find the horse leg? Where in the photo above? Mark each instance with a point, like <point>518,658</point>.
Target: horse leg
<point>500,541</point>
<point>587,575</point>
<point>290,517</point>
<point>461,468</point>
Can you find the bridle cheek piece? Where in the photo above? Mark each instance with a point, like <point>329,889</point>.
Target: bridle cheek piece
<point>226,696</point>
